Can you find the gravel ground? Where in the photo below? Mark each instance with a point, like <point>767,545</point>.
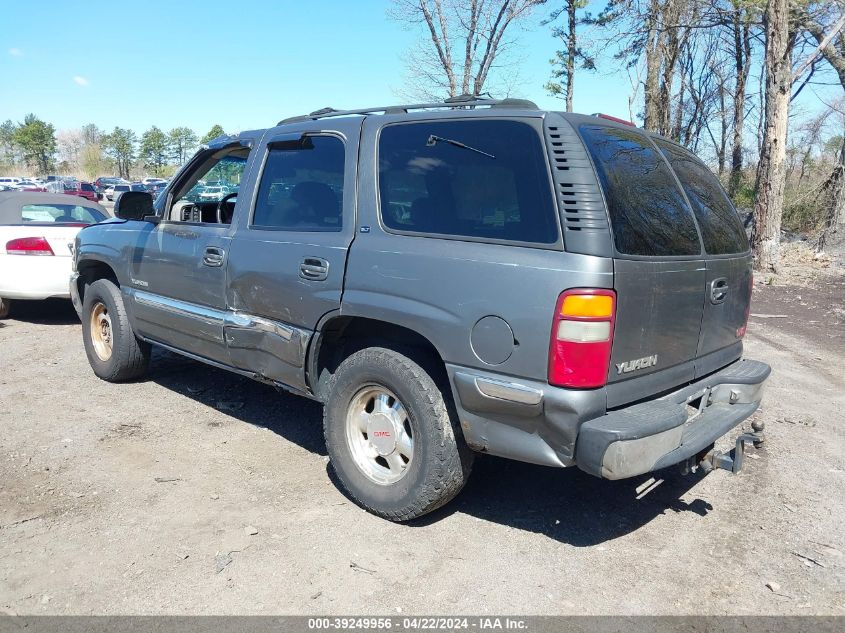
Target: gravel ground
<point>197,491</point>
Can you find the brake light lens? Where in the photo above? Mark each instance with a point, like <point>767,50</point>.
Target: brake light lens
<point>740,331</point>
<point>582,337</point>
<point>28,246</point>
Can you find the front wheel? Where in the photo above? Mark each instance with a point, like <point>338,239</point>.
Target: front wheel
<point>113,351</point>
<point>392,441</point>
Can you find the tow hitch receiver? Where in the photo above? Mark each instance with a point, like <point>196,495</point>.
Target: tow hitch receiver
<point>711,459</point>
<point>732,460</point>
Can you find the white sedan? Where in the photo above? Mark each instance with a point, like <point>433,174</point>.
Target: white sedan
<point>36,240</point>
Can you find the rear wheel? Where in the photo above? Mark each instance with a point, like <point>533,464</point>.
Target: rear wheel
<point>393,443</point>
<point>113,351</point>
<point>5,306</point>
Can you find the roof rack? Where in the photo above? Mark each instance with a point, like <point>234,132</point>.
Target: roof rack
<point>462,101</point>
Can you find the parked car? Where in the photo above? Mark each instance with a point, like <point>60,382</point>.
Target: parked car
<point>82,189</point>
<point>152,181</point>
<point>213,193</point>
<point>156,188</point>
<point>104,182</point>
<point>115,190</point>
<point>36,236</point>
<point>31,186</point>
<point>555,288</point>
<point>10,181</point>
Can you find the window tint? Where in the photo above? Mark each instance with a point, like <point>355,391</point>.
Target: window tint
<point>486,179</point>
<point>301,186</point>
<point>60,213</point>
<point>721,228</point>
<point>87,187</point>
<point>648,213</point>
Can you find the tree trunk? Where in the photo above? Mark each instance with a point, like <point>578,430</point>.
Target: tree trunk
<point>835,186</point>
<point>572,51</point>
<point>742,59</point>
<point>652,69</point>
<point>771,177</point>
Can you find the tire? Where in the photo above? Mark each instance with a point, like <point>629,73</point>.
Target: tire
<point>5,307</point>
<point>437,465</point>
<point>128,357</point>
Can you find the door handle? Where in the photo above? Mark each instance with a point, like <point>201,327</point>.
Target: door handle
<point>213,256</point>
<point>314,269</point>
<point>719,290</point>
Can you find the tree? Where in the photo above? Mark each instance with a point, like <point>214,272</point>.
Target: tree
<point>8,149</point>
<point>740,23</point>
<point>182,143</point>
<point>92,135</point>
<point>467,41</point>
<point>563,64</point>
<point>212,134</point>
<point>70,144</point>
<point>154,150</point>
<point>771,175</point>
<point>37,142</point>
<point>91,161</point>
<point>832,48</point>
<point>120,146</point>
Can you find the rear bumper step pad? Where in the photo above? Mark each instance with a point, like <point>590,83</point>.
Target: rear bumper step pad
<point>659,433</point>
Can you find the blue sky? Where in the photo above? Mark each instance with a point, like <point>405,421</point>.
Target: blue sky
<point>243,64</point>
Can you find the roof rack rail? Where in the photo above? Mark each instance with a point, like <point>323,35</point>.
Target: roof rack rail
<point>461,101</point>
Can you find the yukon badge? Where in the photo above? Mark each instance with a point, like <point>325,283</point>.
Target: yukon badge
<point>634,365</point>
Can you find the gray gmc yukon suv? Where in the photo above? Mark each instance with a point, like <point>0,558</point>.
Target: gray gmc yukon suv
<point>472,275</point>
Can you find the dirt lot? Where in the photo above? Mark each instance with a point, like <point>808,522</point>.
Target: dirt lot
<point>197,491</point>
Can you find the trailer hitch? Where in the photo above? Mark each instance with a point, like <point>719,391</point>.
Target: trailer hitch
<point>732,460</point>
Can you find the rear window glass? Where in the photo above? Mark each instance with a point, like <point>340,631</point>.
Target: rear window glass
<point>87,187</point>
<point>721,228</point>
<point>483,179</point>
<point>60,213</point>
<point>648,213</point>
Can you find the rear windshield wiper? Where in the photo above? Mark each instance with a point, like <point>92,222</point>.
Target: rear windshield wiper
<point>432,140</point>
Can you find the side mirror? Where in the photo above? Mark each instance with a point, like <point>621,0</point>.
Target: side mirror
<point>133,205</point>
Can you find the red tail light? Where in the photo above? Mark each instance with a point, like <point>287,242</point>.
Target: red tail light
<point>582,336</point>
<point>740,331</point>
<point>28,246</point>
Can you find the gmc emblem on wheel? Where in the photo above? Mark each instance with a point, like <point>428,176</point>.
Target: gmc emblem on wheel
<point>381,434</point>
<point>634,365</point>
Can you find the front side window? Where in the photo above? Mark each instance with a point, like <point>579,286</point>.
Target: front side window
<point>480,179</point>
<point>647,210</point>
<point>60,214</point>
<point>721,228</point>
<point>301,186</point>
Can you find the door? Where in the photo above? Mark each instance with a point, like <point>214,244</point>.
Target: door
<point>659,268</point>
<point>287,259</point>
<point>727,260</point>
<point>178,270</point>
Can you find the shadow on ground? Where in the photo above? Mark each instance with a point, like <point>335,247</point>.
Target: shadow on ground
<point>564,504</point>
<point>47,312</point>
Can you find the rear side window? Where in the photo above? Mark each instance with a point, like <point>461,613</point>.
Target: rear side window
<point>301,186</point>
<point>87,187</point>
<point>648,213</point>
<point>60,214</point>
<point>719,222</point>
<point>480,179</point>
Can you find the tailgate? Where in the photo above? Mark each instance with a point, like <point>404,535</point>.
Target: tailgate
<point>728,294</point>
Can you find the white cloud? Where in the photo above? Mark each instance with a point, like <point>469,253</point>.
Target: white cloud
<point>80,81</point>
<point>15,52</point>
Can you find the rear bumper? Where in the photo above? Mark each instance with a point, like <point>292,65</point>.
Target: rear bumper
<point>32,277</point>
<point>537,423</point>
<point>659,433</point>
